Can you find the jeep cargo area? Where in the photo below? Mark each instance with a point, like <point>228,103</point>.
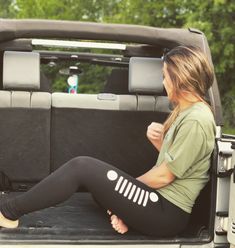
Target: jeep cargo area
<point>42,128</point>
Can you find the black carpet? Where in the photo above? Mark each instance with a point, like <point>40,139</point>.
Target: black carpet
<point>77,220</point>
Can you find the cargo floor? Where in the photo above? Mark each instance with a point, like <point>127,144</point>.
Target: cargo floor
<point>77,220</point>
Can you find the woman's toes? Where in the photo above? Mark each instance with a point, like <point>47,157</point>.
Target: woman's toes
<point>122,227</point>
<point>118,225</point>
<point>114,219</point>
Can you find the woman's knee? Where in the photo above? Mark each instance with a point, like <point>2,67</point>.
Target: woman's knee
<point>84,167</point>
<point>82,162</point>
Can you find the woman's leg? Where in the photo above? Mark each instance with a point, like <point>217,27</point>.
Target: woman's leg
<point>141,207</point>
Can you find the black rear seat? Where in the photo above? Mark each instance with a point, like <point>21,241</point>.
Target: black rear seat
<point>24,120</point>
<point>117,82</point>
<point>109,127</point>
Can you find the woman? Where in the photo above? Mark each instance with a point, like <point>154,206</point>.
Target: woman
<point>166,193</point>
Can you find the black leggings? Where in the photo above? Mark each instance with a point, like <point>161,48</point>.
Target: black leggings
<point>141,207</point>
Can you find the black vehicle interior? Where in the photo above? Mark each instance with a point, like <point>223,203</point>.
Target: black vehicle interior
<point>41,130</point>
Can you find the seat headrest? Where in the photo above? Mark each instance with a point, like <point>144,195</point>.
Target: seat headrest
<point>145,75</point>
<point>21,70</point>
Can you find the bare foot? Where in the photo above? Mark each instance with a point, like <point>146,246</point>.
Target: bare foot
<point>4,222</point>
<point>117,224</point>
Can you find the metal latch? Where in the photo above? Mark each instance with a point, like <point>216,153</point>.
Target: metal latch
<point>222,223</point>
<point>225,164</point>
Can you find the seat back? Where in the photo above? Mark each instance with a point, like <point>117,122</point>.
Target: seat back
<point>117,82</point>
<point>109,127</point>
<point>24,119</point>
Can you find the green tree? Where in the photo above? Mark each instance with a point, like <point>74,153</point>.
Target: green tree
<point>6,9</point>
<point>89,10</point>
<point>216,18</point>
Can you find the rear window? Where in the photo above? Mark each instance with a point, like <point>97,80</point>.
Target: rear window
<point>90,64</point>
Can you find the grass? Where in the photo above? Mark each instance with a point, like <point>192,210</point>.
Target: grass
<point>228,130</point>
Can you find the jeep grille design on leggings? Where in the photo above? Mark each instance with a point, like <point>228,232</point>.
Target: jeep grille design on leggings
<point>130,190</point>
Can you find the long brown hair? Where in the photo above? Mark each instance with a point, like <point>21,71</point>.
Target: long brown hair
<point>189,71</point>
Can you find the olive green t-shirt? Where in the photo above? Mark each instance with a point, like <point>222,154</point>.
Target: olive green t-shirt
<point>187,149</point>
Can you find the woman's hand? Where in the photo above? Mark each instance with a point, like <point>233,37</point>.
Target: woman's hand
<point>155,134</point>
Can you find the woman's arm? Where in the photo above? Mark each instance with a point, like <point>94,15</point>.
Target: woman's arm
<point>157,177</point>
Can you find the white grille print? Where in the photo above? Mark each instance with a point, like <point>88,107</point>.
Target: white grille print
<point>130,190</point>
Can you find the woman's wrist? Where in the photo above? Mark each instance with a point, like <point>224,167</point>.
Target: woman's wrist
<point>157,145</point>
